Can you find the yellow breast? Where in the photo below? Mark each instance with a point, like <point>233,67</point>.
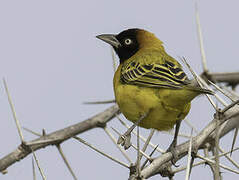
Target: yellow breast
<point>162,106</point>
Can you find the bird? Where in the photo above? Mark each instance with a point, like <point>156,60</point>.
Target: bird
<point>149,84</point>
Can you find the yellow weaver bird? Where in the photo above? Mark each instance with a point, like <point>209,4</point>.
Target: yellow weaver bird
<point>149,84</point>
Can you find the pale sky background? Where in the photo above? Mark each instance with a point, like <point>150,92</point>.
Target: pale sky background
<point>53,63</point>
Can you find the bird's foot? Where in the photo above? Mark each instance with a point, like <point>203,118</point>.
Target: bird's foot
<point>172,149</point>
<point>124,140</point>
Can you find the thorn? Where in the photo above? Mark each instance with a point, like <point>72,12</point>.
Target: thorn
<point>200,37</point>
<point>113,59</point>
<point>197,78</point>
<point>138,155</point>
<point>43,132</point>
<point>150,155</point>
<point>32,132</point>
<point>220,89</point>
<point>147,142</point>
<point>190,157</point>
<point>13,111</point>
<point>234,140</point>
<point>230,106</point>
<point>66,162</point>
<point>38,165</point>
<point>101,102</point>
<point>33,169</point>
<point>102,153</point>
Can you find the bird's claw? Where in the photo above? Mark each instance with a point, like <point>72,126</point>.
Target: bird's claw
<point>124,140</point>
<point>172,149</point>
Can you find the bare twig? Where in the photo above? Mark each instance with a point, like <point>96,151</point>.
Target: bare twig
<point>59,136</point>
<point>202,162</point>
<point>228,77</point>
<point>206,135</point>
<point>60,151</point>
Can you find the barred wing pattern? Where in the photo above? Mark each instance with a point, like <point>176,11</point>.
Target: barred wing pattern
<point>167,75</point>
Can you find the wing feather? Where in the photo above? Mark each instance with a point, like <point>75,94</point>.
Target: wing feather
<point>167,75</point>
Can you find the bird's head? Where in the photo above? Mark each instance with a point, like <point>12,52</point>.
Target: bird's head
<point>129,42</point>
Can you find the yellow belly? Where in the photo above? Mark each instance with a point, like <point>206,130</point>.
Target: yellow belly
<point>134,102</point>
<point>162,106</point>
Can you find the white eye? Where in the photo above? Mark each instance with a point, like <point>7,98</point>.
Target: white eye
<point>127,41</point>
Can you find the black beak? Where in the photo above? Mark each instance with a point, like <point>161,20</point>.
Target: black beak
<point>110,39</point>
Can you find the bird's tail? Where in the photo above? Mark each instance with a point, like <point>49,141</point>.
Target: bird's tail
<point>202,90</point>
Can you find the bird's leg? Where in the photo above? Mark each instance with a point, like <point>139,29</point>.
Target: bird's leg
<point>172,146</point>
<point>124,139</point>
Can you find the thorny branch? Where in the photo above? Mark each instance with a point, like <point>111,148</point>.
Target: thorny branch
<point>58,137</point>
<point>207,135</point>
<point>231,78</point>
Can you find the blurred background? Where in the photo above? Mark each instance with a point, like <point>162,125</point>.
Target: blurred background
<point>53,63</point>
